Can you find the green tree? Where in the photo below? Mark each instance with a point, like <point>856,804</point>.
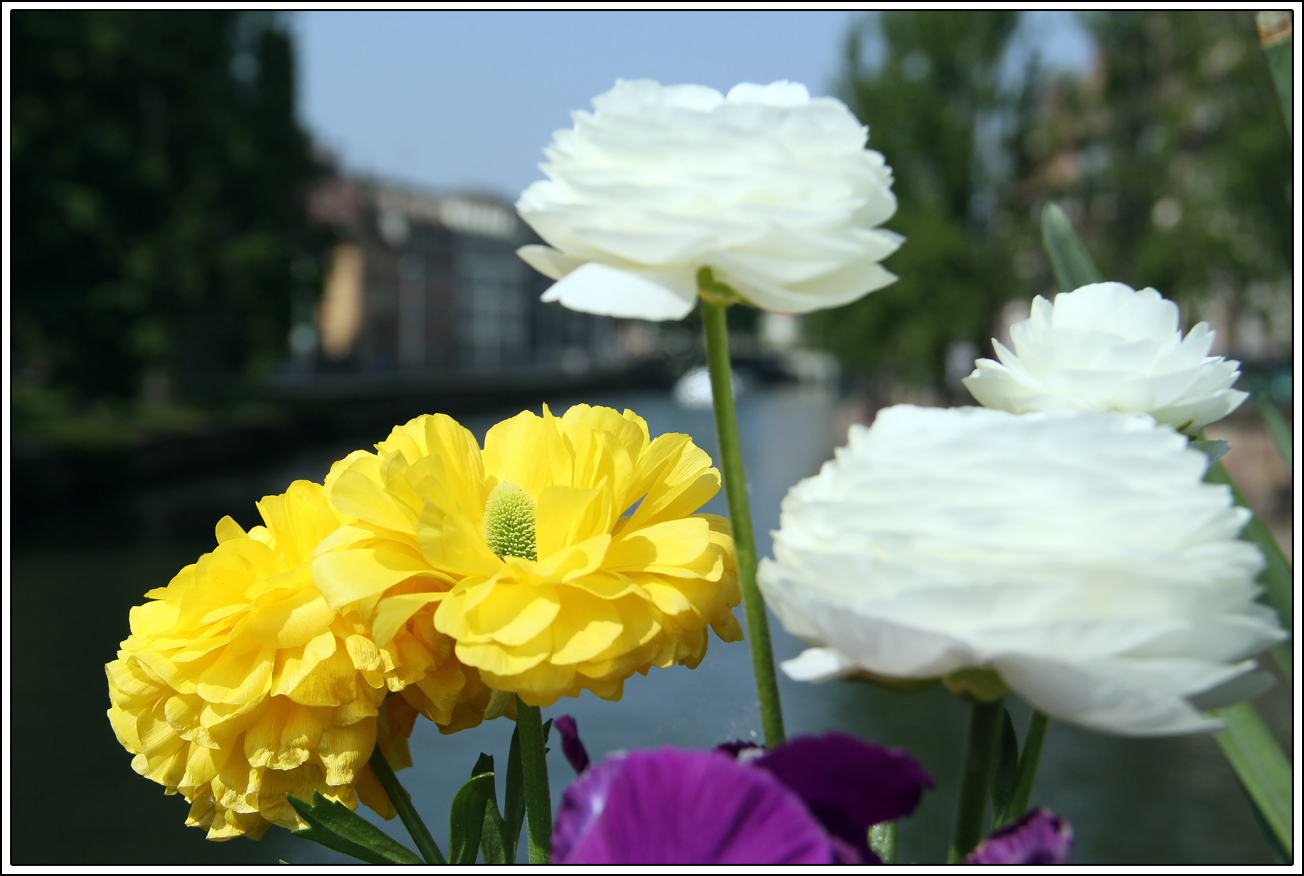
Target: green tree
<point>926,104</point>
<point>158,179</point>
<point>1173,161</point>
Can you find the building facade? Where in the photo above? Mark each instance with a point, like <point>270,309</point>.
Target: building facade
<point>424,284</point>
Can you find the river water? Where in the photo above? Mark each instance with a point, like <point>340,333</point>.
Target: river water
<point>76,800</point>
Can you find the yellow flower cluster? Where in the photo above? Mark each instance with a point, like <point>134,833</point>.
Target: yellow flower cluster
<point>239,683</point>
<point>564,556</point>
<point>613,573</point>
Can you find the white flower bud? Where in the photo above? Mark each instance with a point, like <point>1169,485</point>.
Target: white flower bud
<point>1105,347</point>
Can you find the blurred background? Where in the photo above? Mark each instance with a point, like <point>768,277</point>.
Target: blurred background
<point>244,244</point>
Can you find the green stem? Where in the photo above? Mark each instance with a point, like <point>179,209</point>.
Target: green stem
<point>740,515</point>
<point>406,811</point>
<point>976,783</point>
<point>534,772</point>
<point>1028,761</point>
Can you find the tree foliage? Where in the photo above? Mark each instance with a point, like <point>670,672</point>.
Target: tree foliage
<point>158,175</point>
<point>926,104</point>
<point>1173,161</point>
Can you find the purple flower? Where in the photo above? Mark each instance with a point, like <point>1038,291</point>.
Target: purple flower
<point>1040,837</point>
<point>571,746</point>
<point>810,801</point>
<point>848,784</point>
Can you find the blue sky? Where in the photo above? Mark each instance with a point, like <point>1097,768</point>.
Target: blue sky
<point>468,99</point>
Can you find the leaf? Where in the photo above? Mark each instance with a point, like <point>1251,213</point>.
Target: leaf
<point>1069,259</point>
<point>1279,429</point>
<point>1007,771</point>
<point>491,833</point>
<point>1213,449</point>
<point>338,827</point>
<point>1278,43</point>
<point>466,819</point>
<point>883,840</point>
<point>514,804</point>
<point>1259,763</point>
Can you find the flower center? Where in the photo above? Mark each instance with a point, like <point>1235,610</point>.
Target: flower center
<point>509,522</point>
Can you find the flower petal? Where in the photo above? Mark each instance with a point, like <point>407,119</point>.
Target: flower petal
<point>596,288</point>
<point>684,807</point>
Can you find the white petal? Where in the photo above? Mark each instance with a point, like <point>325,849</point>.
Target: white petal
<point>818,664</point>
<point>596,288</point>
<point>548,261</point>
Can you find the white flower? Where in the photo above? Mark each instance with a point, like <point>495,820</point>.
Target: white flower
<point>770,189</point>
<point>1080,556</point>
<point>1105,347</point>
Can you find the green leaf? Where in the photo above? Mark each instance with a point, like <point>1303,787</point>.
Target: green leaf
<point>338,827</point>
<point>466,819</point>
<point>1279,429</point>
<point>1007,771</point>
<point>514,804</point>
<point>1069,259</point>
<point>1278,44</point>
<point>1260,765</point>
<point>1213,449</point>
<point>491,834</point>
<point>883,840</point>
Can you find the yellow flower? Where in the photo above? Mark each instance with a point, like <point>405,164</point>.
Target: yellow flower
<point>565,556</point>
<point>239,683</point>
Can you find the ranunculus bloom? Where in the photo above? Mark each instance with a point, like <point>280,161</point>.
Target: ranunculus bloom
<point>810,801</point>
<point>1080,556</point>
<point>565,556</point>
<point>1105,347</point>
<point>239,683</point>
<point>772,190</point>
<point>1040,837</point>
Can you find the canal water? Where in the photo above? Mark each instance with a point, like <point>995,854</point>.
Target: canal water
<point>75,799</point>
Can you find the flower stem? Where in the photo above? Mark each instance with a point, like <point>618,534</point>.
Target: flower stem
<point>976,782</point>
<point>740,515</point>
<point>416,828</point>
<point>534,772</point>
<point>1028,761</point>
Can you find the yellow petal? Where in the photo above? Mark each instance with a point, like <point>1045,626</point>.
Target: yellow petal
<point>452,545</point>
<point>349,575</point>
<point>293,665</point>
<point>228,529</point>
<point>587,628</point>
<point>560,514</point>
<point>331,682</point>
<point>394,611</point>
<point>283,619</point>
<point>506,660</point>
<point>239,675</point>
<point>668,544</point>
<point>528,450</point>
<point>356,495</point>
<point>513,614</point>
<point>344,750</point>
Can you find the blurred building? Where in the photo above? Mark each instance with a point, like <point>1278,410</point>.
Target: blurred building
<point>426,284</point>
